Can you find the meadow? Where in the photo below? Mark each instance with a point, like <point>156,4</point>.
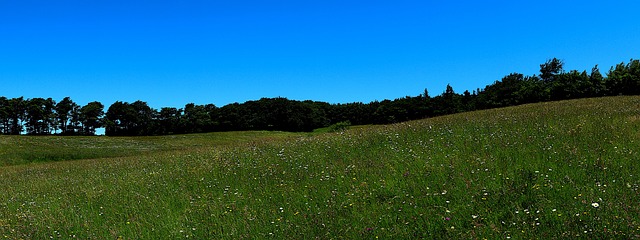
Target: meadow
<point>565,169</point>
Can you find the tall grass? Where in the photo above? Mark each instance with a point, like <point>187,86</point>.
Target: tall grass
<point>552,170</point>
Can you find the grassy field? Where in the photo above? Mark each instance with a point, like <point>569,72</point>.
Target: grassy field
<point>16,150</point>
<point>552,170</point>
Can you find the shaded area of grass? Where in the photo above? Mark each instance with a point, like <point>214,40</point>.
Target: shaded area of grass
<point>15,150</point>
<point>553,170</point>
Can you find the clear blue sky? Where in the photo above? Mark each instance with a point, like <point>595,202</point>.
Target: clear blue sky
<point>169,53</point>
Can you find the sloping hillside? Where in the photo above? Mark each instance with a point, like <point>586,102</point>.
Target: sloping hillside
<point>551,170</point>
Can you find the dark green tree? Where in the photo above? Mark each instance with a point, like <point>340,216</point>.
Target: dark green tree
<point>533,90</point>
<point>16,111</point>
<point>196,118</point>
<point>550,69</point>
<point>233,117</point>
<point>144,119</point>
<point>39,115</point>
<point>91,117</point>
<point>4,116</point>
<point>130,119</point>
<point>169,120</point>
<point>505,92</point>
<point>447,103</point>
<point>624,79</point>
<point>570,85</point>
<point>119,119</point>
<point>63,114</point>
<point>468,101</point>
<point>424,106</point>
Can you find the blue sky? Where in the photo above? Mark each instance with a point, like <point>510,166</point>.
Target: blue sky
<point>169,53</point>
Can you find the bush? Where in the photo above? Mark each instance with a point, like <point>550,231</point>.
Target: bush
<point>340,126</point>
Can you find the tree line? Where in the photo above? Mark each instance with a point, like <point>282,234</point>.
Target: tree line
<point>39,116</point>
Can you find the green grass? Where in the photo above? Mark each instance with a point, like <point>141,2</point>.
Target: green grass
<point>552,170</point>
<point>16,150</point>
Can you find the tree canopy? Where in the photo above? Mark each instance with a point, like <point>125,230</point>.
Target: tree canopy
<point>40,116</point>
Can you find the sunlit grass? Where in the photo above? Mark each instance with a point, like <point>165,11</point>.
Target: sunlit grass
<point>552,170</point>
